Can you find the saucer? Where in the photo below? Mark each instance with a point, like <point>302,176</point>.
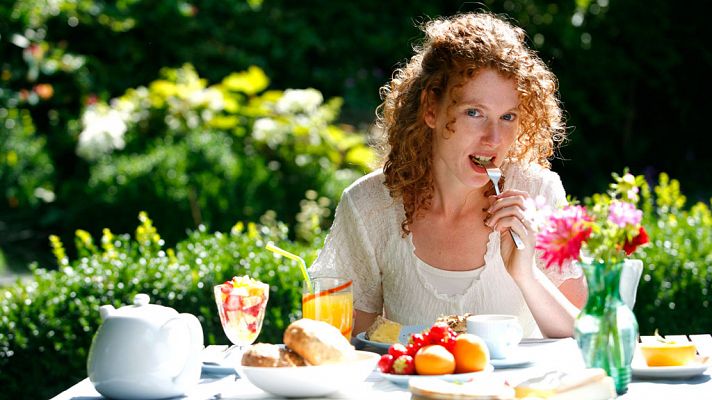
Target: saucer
<point>218,369</point>
<point>515,360</point>
<point>641,370</point>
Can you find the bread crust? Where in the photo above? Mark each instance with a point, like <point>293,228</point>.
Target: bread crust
<point>271,355</point>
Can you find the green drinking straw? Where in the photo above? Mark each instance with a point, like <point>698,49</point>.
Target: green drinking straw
<point>302,264</point>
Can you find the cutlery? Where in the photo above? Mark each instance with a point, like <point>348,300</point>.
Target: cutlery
<point>495,174</point>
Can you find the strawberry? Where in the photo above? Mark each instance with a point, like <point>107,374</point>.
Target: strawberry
<point>418,340</point>
<point>232,303</point>
<point>397,350</point>
<point>404,365</point>
<point>412,349</point>
<point>385,364</point>
<point>438,332</point>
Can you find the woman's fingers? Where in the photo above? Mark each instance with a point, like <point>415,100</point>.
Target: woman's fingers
<point>510,211</point>
<point>508,198</point>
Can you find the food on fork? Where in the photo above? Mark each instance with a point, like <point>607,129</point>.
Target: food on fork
<point>585,384</point>
<point>271,355</point>
<point>318,342</point>
<point>383,331</point>
<point>457,323</point>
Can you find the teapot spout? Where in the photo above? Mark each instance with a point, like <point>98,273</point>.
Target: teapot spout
<point>106,311</point>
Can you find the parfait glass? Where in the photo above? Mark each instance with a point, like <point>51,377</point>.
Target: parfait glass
<point>241,307</point>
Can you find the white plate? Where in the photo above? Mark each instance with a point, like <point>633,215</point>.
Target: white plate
<point>641,370</point>
<point>312,381</point>
<point>405,332</point>
<point>519,359</point>
<point>402,380</point>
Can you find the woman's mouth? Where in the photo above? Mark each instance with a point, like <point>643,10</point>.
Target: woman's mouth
<point>481,161</point>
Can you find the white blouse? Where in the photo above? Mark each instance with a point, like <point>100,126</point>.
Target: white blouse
<point>365,244</point>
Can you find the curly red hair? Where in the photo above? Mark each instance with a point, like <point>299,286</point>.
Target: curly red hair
<point>453,50</point>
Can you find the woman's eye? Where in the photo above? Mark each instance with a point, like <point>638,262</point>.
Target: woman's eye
<point>509,117</point>
<point>473,112</point>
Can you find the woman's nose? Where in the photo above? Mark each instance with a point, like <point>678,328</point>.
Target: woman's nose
<point>492,134</point>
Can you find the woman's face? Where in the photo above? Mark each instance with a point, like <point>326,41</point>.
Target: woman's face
<point>484,124</point>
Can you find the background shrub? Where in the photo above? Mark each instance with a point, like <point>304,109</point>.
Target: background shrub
<point>193,154</point>
<point>35,338</point>
<point>674,292</point>
<point>624,77</point>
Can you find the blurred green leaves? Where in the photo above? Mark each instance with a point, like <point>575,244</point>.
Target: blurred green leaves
<point>674,292</point>
<point>26,171</point>
<point>214,153</point>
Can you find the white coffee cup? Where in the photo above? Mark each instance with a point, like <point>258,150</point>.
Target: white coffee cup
<point>501,333</point>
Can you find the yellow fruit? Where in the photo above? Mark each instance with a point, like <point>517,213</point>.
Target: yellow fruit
<point>661,354</point>
<point>434,360</point>
<point>470,353</point>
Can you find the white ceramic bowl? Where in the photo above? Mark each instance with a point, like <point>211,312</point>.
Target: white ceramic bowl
<point>311,381</point>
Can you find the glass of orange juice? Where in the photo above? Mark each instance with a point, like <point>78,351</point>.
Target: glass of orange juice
<point>331,301</point>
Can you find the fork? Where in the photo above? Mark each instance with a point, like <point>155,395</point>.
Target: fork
<point>495,174</point>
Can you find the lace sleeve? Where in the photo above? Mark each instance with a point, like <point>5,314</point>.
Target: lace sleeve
<point>348,252</point>
<point>552,190</point>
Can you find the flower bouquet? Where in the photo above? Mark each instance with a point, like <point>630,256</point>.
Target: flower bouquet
<point>600,237</point>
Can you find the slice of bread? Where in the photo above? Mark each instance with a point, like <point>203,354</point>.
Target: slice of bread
<point>383,331</point>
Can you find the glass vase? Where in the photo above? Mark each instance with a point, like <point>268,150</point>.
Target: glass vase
<point>606,329</point>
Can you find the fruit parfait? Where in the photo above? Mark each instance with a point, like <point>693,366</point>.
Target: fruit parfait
<point>436,351</point>
<point>241,305</point>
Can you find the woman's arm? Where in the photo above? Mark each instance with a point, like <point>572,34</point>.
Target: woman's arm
<point>554,309</point>
<point>576,290</point>
<point>362,320</point>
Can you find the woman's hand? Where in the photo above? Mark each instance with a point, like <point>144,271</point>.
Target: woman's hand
<point>513,209</point>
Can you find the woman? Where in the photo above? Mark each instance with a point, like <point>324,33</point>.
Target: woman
<point>425,236</point>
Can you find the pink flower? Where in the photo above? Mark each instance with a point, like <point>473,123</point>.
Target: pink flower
<point>623,213</point>
<point>562,238</point>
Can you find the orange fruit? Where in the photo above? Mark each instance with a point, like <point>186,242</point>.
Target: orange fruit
<point>434,360</point>
<point>470,353</point>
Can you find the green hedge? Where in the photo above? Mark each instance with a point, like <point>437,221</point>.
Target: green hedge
<point>46,324</point>
<point>674,292</point>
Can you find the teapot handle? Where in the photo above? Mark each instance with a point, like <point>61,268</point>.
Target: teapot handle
<point>192,365</point>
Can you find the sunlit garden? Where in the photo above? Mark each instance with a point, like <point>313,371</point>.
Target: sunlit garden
<point>157,146</point>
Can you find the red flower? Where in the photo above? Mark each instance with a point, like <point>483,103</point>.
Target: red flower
<point>565,233</point>
<point>641,239</point>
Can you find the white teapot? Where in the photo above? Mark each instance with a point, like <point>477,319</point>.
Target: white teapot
<point>145,351</point>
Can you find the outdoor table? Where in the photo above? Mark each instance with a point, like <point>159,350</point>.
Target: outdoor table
<point>546,354</point>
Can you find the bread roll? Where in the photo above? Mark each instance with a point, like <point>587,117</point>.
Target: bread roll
<point>318,342</point>
<point>270,355</point>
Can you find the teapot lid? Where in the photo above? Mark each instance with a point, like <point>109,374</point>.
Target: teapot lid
<point>142,309</point>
